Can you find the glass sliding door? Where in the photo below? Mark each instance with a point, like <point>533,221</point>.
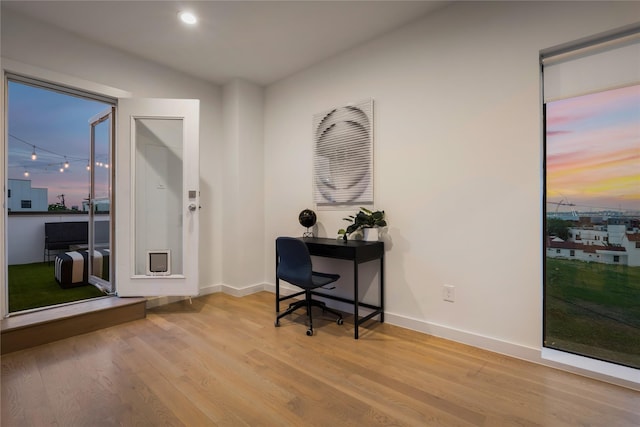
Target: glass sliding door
<point>100,200</point>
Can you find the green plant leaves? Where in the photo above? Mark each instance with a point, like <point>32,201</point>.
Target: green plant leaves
<point>365,218</point>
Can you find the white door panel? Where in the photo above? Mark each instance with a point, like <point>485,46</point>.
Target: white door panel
<point>156,237</point>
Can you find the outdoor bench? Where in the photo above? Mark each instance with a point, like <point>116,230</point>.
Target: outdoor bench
<point>65,236</point>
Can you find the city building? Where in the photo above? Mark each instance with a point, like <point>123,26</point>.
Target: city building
<point>24,198</point>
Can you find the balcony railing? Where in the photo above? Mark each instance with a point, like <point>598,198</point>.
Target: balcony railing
<point>25,233</point>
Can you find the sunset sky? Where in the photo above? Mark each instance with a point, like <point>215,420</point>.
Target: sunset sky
<point>592,146</point>
<point>593,151</point>
<point>58,126</point>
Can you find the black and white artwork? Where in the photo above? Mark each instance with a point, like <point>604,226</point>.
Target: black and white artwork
<point>343,155</point>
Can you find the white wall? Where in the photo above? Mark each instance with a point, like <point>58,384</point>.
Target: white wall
<point>25,235</point>
<point>40,45</point>
<point>243,192</point>
<point>458,155</point>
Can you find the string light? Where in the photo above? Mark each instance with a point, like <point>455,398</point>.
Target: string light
<point>36,153</point>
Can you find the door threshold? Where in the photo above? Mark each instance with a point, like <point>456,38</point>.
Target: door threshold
<point>43,326</point>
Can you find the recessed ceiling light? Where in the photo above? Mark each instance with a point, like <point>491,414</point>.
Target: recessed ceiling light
<point>188,18</point>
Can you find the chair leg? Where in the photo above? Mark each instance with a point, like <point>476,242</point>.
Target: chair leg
<point>308,303</point>
<point>324,308</point>
<point>309,306</point>
<point>292,307</point>
<point>335,313</point>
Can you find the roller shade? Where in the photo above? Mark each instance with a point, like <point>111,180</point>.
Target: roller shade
<point>592,66</point>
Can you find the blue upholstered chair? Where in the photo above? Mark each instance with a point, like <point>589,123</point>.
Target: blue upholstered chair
<point>295,267</point>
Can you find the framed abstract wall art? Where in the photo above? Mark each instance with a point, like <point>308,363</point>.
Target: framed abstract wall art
<point>343,155</point>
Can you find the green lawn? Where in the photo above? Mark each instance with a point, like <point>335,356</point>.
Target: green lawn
<point>593,309</point>
<point>34,285</point>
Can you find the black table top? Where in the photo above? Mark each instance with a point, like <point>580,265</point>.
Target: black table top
<point>357,250</point>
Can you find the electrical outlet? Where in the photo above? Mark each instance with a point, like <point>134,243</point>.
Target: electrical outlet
<point>448,293</point>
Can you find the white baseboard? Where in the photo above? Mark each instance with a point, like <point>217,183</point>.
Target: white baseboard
<point>153,302</point>
<point>464,337</point>
<point>607,372</point>
<point>243,291</point>
<point>285,289</point>
<point>210,289</point>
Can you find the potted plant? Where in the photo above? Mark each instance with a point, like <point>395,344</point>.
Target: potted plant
<point>365,220</point>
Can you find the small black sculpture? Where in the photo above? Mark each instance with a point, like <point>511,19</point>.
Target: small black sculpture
<point>307,218</point>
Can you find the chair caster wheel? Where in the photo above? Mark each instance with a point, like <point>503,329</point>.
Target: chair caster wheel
<point>309,332</point>
<point>276,323</point>
<point>340,321</point>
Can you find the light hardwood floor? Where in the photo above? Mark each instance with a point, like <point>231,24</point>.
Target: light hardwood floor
<point>221,361</point>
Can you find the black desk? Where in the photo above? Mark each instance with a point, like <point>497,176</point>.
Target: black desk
<point>357,251</point>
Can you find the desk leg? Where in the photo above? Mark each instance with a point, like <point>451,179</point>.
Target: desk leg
<point>277,282</point>
<point>382,289</point>
<point>356,318</point>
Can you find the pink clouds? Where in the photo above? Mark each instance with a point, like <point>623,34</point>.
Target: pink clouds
<point>593,148</point>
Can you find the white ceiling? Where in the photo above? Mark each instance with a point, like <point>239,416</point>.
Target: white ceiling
<point>261,41</point>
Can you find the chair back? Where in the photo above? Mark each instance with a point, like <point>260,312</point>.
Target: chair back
<point>294,264</point>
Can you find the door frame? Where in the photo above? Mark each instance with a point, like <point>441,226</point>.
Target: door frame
<point>109,114</point>
<point>9,67</point>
